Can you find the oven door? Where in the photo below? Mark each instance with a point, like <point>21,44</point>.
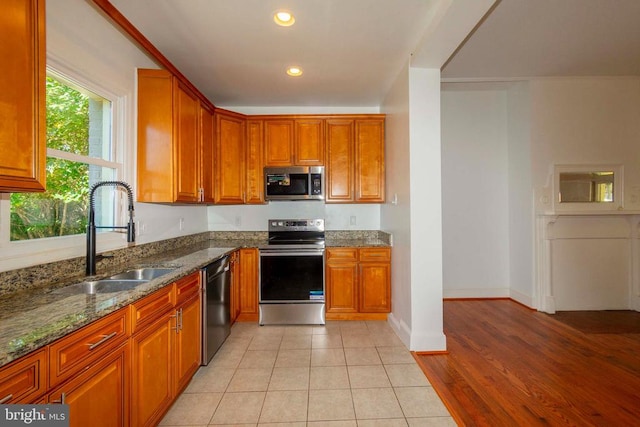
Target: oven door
<point>291,275</point>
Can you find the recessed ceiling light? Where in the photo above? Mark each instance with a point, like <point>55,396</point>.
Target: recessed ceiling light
<point>283,18</point>
<point>294,71</point>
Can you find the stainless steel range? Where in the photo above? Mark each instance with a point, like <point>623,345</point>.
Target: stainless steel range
<point>292,273</point>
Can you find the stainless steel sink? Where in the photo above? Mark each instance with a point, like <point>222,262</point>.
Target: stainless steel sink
<point>125,281</point>
<point>148,273</point>
<point>103,286</point>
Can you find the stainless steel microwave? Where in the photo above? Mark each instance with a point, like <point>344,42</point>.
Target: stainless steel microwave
<point>294,183</point>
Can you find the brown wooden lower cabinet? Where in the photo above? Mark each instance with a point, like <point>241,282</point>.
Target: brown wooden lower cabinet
<point>187,343</point>
<point>24,379</point>
<point>152,370</point>
<point>358,283</point>
<point>234,267</point>
<point>249,261</point>
<point>99,396</point>
<point>110,376</point>
<point>166,353</point>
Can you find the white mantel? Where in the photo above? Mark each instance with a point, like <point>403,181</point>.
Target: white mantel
<point>588,261</point>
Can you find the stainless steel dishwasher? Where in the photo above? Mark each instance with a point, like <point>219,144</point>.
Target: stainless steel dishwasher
<point>216,308</point>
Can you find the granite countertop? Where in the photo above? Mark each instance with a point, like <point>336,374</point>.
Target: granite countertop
<point>355,243</point>
<point>35,317</point>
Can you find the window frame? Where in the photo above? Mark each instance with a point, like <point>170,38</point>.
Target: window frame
<point>49,249</point>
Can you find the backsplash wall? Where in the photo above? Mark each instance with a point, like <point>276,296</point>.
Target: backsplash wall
<point>255,217</point>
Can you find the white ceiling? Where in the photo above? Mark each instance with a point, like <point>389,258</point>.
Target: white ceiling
<point>535,38</point>
<point>352,50</point>
<point>231,50</point>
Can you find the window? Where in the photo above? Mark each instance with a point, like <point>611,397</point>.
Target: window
<point>79,153</point>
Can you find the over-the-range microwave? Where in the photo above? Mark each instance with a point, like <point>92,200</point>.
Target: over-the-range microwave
<point>294,183</point>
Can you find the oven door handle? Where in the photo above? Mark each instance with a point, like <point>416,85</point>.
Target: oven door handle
<point>292,252</point>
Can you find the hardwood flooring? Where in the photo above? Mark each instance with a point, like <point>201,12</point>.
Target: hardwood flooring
<point>508,365</point>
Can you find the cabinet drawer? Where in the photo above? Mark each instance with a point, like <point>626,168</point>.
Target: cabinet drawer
<point>375,254</point>
<point>148,309</point>
<point>24,379</point>
<point>76,351</point>
<point>187,287</point>
<point>341,254</point>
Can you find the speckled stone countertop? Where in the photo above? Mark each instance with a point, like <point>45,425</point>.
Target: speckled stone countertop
<point>33,317</point>
<point>35,311</point>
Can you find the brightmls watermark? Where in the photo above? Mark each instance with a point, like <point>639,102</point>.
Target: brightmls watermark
<point>34,415</point>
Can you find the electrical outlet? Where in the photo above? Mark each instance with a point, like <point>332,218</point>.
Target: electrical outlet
<point>352,220</point>
<point>237,221</point>
<point>181,224</point>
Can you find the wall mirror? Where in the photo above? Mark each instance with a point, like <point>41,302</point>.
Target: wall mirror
<point>588,187</point>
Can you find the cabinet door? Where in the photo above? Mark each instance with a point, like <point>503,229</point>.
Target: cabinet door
<point>188,341</point>
<point>369,173</point>
<point>339,180</point>
<point>278,142</point>
<point>249,263</point>
<point>22,98</point>
<point>309,142</point>
<point>207,174</point>
<point>99,396</point>
<point>152,371</point>
<point>25,379</point>
<point>375,280</point>
<point>254,162</point>
<point>230,157</point>
<point>341,280</point>
<point>155,162</point>
<point>235,286</point>
<point>187,175</point>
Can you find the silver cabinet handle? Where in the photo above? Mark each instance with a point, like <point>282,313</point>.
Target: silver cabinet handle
<point>177,327</point>
<point>61,400</point>
<point>6,399</point>
<point>104,338</point>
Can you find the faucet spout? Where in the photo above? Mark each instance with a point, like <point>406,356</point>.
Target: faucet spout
<point>91,226</point>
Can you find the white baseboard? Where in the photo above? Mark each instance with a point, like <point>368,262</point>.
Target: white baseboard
<point>523,299</point>
<point>477,293</point>
<point>416,341</point>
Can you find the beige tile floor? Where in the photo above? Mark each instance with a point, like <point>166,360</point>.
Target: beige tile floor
<point>343,374</point>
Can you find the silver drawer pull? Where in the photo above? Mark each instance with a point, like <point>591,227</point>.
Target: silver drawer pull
<point>104,338</point>
<point>6,399</point>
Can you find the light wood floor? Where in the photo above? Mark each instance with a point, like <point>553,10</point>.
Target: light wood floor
<point>510,366</point>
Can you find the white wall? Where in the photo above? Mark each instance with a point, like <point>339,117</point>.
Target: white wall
<point>586,121</point>
<point>254,217</point>
<point>475,196</point>
<point>520,195</point>
<point>413,154</point>
<point>396,218</point>
<point>571,262</point>
<point>425,210</point>
<point>586,261</point>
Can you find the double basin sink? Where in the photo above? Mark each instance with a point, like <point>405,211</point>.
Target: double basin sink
<point>125,281</point>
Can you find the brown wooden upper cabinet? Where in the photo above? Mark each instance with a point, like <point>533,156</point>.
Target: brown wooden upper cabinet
<point>355,160</point>
<point>169,140</point>
<point>290,141</point>
<point>229,157</point>
<point>278,142</point>
<point>254,162</point>
<point>309,142</point>
<point>22,98</point>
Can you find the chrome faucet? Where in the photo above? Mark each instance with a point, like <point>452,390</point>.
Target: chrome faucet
<point>91,227</point>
